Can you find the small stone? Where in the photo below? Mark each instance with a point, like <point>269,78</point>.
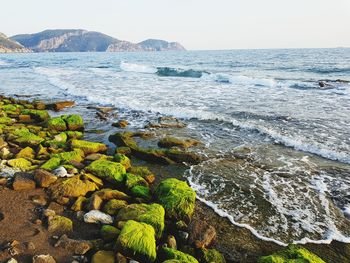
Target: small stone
<point>49,212</point>
<point>80,215</point>
<point>39,199</point>
<point>183,236</point>
<point>60,225</point>
<point>30,246</point>
<point>79,247</point>
<point>38,222</point>
<point>12,260</point>
<point>23,181</point>
<point>171,242</point>
<point>96,216</point>
<point>121,124</point>
<point>95,202</point>
<point>103,256</point>
<point>56,207</point>
<point>60,172</point>
<point>3,181</point>
<point>43,259</point>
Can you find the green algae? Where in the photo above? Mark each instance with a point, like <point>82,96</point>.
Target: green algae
<point>51,164</point>
<point>123,159</point>
<point>173,254</point>
<point>88,147</point>
<point>108,170</point>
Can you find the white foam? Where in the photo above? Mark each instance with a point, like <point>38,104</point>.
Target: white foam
<point>240,79</point>
<point>3,63</point>
<point>129,67</point>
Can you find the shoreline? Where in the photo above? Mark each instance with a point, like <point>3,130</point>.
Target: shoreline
<point>238,244</point>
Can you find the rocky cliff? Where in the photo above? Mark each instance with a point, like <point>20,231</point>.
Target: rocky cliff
<point>9,46</point>
<point>78,40</point>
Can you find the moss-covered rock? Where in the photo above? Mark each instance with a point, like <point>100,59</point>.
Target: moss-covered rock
<point>212,255</point>
<point>111,171</point>
<point>27,152</point>
<point>122,159</point>
<point>72,187</point>
<point>140,191</point>
<point>26,138</point>
<point>109,233</point>
<point>57,124</point>
<point>60,225</point>
<point>132,180</point>
<point>6,120</point>
<point>290,255</point>
<point>113,206</point>
<point>20,163</point>
<point>42,153</point>
<point>173,254</point>
<point>88,147</point>
<point>38,115</point>
<point>108,194</point>
<point>74,122</point>
<point>79,204</point>
<point>77,155</point>
<point>137,240</point>
<point>177,198</point>
<point>74,134</point>
<point>144,172</point>
<point>103,256</point>
<point>51,164</point>
<point>152,214</point>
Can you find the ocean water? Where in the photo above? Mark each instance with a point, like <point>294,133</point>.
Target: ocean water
<point>275,125</point>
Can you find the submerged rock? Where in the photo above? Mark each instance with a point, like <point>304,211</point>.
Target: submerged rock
<point>152,214</point>
<point>177,198</point>
<point>292,254</point>
<point>168,142</point>
<point>137,240</point>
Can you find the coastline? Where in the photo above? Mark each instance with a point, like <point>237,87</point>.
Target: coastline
<point>237,244</point>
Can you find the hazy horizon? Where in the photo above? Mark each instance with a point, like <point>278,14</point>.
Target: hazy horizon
<point>197,25</point>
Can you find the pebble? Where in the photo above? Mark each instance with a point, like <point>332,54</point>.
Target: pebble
<point>96,216</point>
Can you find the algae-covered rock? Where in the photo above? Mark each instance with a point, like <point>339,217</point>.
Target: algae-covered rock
<point>79,204</point>
<point>74,122</point>
<point>26,138</point>
<point>113,206</point>
<point>152,214</point>
<point>137,240</point>
<point>132,180</point>
<point>88,147</point>
<point>77,155</point>
<point>57,124</point>
<point>177,198</point>
<point>27,152</point>
<point>72,187</point>
<point>74,134</point>
<point>109,233</point>
<point>39,115</point>
<point>108,170</point>
<point>44,178</point>
<point>123,159</point>
<point>6,120</point>
<point>108,194</point>
<point>144,172</point>
<point>60,225</point>
<point>103,256</point>
<point>51,164</point>
<point>212,255</point>
<point>20,163</point>
<point>173,254</point>
<point>290,255</point>
<point>140,191</point>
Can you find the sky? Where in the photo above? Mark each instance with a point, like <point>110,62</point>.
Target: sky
<point>197,24</point>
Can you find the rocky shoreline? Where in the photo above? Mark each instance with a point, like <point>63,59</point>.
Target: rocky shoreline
<point>67,199</point>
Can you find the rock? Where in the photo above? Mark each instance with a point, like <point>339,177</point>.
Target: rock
<point>137,240</point>
<point>96,216</point>
<point>76,155</point>
<point>167,122</point>
<point>169,254</point>
<point>108,194</point>
<point>152,214</point>
<point>59,225</point>
<point>26,153</point>
<point>49,213</point>
<point>56,207</point>
<point>72,187</point>
<point>292,253</point>
<point>23,181</point>
<point>30,246</point>
<point>113,206</point>
<point>20,163</point>
<point>60,105</point>
<point>44,178</point>
<point>79,204</point>
<point>121,124</point>
<point>201,234</point>
<point>183,236</point>
<point>51,164</point>
<point>74,122</point>
<point>121,259</point>
<point>109,233</point>
<point>177,198</point>
<point>78,247</point>
<point>43,259</point>
<point>142,192</point>
<point>61,172</point>
<point>171,242</point>
<point>122,159</point>
<point>123,150</point>
<point>103,256</point>
<point>212,255</point>
<point>39,200</point>
<point>12,260</point>
<point>88,147</point>
<point>132,180</point>
<point>95,202</point>
<point>57,124</point>
<point>26,138</point>
<point>144,172</point>
<point>168,142</point>
<point>108,170</point>
<point>38,115</point>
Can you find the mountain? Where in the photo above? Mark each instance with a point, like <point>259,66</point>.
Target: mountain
<point>79,40</point>
<point>9,46</point>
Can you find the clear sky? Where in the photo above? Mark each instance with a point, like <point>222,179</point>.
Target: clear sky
<point>197,24</point>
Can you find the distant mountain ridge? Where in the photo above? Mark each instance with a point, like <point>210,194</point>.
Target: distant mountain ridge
<point>9,46</point>
<point>79,40</point>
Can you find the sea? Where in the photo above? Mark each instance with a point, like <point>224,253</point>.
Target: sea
<point>274,125</point>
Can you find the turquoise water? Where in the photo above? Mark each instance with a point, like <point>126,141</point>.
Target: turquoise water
<point>275,124</point>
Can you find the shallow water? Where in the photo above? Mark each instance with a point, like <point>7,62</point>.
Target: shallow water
<point>277,138</point>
